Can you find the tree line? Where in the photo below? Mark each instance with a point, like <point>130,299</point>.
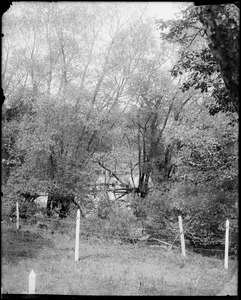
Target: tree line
<point>105,87</point>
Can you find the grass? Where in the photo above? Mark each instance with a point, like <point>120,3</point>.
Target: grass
<point>104,267</point>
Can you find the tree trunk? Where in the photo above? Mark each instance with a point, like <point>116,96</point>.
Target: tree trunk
<point>221,25</point>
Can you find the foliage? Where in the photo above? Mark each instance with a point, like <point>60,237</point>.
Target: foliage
<point>72,122</point>
<point>204,212</point>
<point>222,27</point>
<point>119,226</point>
<point>203,74</point>
<point>208,229</point>
<point>98,90</point>
<point>122,225</point>
<point>104,208</point>
<point>26,210</point>
<point>196,60</point>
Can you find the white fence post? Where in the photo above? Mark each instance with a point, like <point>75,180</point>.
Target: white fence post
<point>32,282</point>
<point>77,236</point>
<point>226,245</point>
<point>17,215</point>
<point>182,236</point>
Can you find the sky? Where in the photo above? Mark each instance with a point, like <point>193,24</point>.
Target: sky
<point>156,9</point>
<point>163,10</point>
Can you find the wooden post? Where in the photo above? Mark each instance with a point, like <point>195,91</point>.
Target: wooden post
<point>32,282</point>
<point>17,215</point>
<point>181,236</point>
<point>77,236</point>
<point>226,245</point>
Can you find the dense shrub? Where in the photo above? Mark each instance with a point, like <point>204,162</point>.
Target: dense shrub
<point>161,216</point>
<point>204,210</point>
<point>120,225</point>
<point>26,210</point>
<point>207,230</point>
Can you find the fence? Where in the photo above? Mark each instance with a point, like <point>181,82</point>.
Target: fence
<point>168,245</point>
<point>178,227</point>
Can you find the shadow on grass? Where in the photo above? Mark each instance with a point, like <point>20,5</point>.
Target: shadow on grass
<point>19,244</point>
<point>86,256</point>
<point>95,256</point>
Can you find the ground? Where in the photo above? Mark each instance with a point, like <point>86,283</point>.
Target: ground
<point>104,267</point>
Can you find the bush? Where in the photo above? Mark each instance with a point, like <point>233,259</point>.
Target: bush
<point>119,225</point>
<point>104,207</point>
<point>209,206</point>
<point>161,216</point>
<point>208,229</point>
<point>26,210</point>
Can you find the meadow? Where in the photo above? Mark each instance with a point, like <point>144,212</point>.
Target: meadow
<point>105,267</point>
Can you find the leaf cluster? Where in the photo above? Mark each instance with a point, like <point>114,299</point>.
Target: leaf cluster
<point>196,61</point>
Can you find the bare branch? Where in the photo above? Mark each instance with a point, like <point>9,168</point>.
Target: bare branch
<point>194,36</point>
<point>112,173</point>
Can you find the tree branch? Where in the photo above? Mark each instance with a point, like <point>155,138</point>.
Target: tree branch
<point>112,173</point>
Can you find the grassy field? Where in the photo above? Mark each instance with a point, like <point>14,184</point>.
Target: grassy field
<point>104,267</point>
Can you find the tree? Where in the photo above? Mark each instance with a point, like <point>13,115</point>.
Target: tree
<point>221,25</point>
<point>22,105</point>
<point>149,151</point>
<point>77,76</point>
<point>93,92</point>
<point>196,60</point>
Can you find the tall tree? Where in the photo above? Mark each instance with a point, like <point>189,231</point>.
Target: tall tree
<point>197,60</point>
<point>221,24</point>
